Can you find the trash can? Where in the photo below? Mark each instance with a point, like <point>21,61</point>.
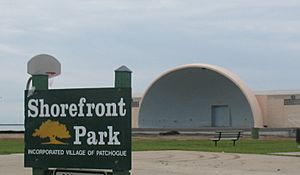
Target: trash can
<point>298,135</point>
<point>255,133</point>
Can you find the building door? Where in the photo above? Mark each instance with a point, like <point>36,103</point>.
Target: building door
<point>221,116</point>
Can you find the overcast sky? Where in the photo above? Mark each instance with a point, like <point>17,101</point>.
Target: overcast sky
<point>259,40</point>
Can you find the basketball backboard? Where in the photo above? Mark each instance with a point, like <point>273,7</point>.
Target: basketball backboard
<point>44,64</point>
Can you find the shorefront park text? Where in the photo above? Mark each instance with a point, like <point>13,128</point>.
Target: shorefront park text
<point>38,108</point>
<point>107,136</point>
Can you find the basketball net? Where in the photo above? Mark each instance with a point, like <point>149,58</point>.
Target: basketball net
<point>50,80</point>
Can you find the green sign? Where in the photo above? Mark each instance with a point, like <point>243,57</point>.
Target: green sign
<point>78,128</point>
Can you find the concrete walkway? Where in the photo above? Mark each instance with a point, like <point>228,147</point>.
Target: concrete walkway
<point>187,163</point>
<point>288,154</point>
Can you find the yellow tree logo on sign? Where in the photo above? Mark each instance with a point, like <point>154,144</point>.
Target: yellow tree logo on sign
<point>52,130</point>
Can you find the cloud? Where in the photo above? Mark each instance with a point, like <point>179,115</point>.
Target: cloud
<point>13,50</point>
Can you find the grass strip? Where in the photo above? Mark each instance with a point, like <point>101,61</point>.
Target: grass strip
<point>9,146</point>
<point>242,146</point>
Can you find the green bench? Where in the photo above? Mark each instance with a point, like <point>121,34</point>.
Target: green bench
<point>233,135</point>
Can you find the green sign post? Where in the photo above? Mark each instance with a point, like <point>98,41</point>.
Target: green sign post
<point>79,128</point>
<point>40,82</point>
<point>123,80</point>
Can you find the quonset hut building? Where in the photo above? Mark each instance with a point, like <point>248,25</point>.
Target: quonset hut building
<point>203,95</point>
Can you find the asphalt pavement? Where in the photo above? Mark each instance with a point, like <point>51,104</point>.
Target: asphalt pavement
<point>187,163</point>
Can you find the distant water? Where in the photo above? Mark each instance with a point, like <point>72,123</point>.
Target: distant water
<point>11,127</point>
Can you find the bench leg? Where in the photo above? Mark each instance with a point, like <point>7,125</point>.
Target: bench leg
<point>215,143</point>
<point>233,142</point>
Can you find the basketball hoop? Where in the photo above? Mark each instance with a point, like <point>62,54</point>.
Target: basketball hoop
<point>44,64</point>
<point>51,74</point>
<point>51,80</point>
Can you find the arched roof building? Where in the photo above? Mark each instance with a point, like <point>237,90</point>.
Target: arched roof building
<point>199,95</point>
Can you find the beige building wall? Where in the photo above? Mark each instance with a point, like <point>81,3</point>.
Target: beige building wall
<point>277,113</point>
<point>263,103</point>
<point>276,118</point>
<point>135,117</point>
<point>135,112</point>
<point>292,113</point>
